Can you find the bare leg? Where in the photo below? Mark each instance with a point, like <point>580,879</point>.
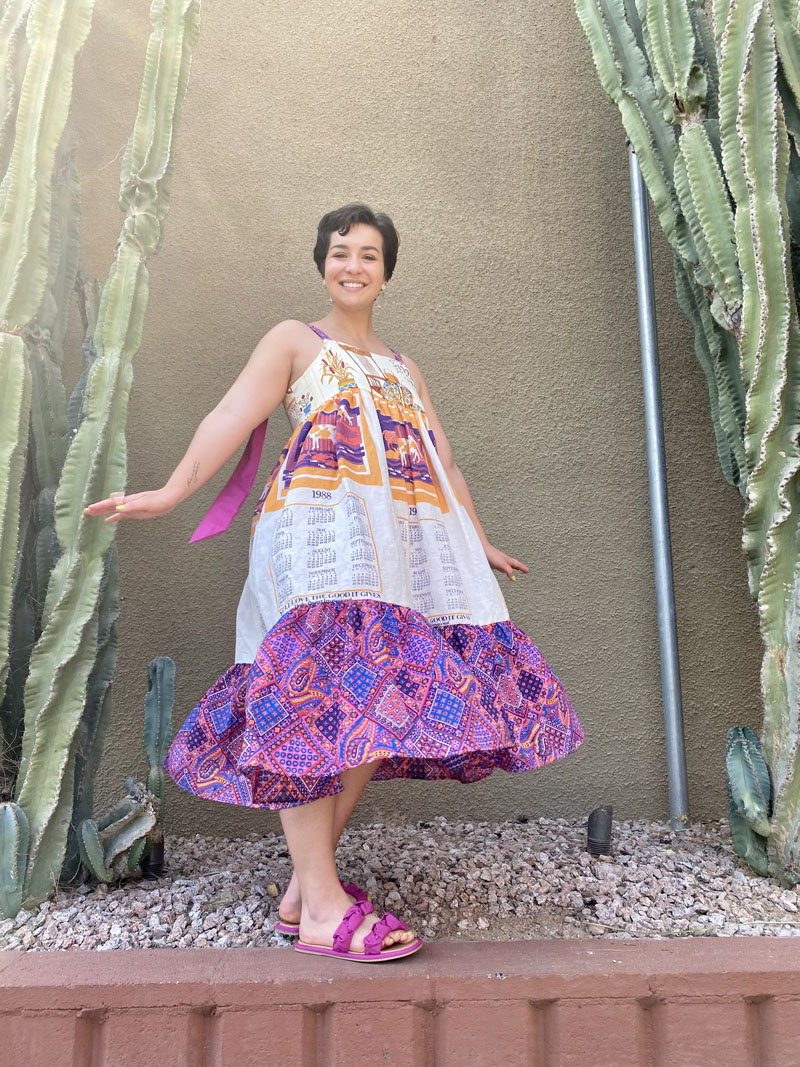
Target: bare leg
<point>353,783</point>
<point>309,835</point>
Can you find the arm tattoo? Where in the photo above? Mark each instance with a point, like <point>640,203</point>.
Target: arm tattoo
<point>193,475</point>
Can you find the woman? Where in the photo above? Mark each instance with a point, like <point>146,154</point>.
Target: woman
<point>372,637</point>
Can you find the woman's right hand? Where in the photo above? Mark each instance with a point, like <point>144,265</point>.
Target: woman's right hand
<point>149,505</point>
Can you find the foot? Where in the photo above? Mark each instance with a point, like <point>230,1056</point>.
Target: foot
<point>291,904</point>
<point>320,928</point>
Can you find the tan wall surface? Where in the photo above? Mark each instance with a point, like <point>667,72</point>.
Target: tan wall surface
<point>484,133</point>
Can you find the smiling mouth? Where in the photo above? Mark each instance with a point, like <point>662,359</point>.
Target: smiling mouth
<point>353,285</point>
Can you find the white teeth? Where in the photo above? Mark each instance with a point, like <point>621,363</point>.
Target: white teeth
<point>353,285</point>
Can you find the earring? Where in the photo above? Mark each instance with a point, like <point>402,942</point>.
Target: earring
<point>377,302</point>
<point>330,298</point>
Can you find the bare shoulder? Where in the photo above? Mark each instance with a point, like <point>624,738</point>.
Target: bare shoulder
<point>279,346</point>
<point>412,363</point>
<point>286,334</point>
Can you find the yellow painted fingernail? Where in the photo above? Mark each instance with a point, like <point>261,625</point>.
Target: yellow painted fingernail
<point>120,507</point>
<point>513,577</point>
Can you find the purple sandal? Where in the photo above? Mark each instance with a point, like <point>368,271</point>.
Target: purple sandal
<point>373,952</point>
<point>292,929</point>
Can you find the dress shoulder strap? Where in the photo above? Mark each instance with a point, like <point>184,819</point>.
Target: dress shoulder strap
<point>397,356</point>
<point>326,337</point>
<point>318,331</point>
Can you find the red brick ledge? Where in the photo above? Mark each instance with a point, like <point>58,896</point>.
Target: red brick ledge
<point>588,1003</point>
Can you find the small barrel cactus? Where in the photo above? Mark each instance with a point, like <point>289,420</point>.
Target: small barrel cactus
<point>14,837</point>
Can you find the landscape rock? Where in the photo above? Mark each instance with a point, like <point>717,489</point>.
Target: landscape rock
<point>473,881</point>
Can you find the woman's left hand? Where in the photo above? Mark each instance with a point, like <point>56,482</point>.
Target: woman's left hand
<point>499,561</point>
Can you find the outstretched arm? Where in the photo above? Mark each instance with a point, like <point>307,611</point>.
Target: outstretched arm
<point>499,560</point>
<point>255,394</point>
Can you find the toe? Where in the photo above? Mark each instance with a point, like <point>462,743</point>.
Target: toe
<point>398,937</point>
<point>393,937</point>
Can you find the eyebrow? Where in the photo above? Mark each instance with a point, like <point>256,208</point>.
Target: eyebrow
<point>363,247</point>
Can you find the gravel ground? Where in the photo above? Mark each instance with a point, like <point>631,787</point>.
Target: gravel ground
<point>495,882</point>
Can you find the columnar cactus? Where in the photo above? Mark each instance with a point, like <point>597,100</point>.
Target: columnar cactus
<point>158,731</point>
<point>711,105</point>
<point>38,545</point>
<point>114,846</point>
<point>69,563</point>
<point>749,794</point>
<point>29,138</point>
<point>13,856</point>
<point>15,403</point>
<point>95,464</point>
<point>34,114</point>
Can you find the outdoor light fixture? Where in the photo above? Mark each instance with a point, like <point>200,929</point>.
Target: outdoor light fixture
<point>598,831</point>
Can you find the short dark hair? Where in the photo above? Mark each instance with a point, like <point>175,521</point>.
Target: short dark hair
<point>340,221</point>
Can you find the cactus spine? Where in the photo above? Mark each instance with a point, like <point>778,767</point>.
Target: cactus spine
<point>720,155</point>
<point>68,559</point>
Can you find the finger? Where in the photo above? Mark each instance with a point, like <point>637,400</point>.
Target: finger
<point>126,511</point>
<point>107,506</point>
<point>131,511</point>
<point>99,507</point>
<point>137,506</point>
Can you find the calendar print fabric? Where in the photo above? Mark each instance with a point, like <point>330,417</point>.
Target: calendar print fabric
<point>360,506</point>
<point>371,626</point>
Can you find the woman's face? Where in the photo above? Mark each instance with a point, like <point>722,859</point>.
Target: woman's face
<point>354,266</point>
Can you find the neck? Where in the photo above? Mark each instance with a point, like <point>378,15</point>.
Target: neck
<point>354,324</point>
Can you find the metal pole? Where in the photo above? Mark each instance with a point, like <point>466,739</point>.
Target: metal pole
<point>659,514</point>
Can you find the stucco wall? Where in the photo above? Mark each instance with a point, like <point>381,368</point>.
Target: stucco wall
<point>483,131</point>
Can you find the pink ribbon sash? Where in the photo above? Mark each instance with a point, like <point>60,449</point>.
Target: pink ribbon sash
<point>234,493</point>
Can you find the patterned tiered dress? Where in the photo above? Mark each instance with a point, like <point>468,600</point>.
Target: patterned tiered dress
<point>371,626</point>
